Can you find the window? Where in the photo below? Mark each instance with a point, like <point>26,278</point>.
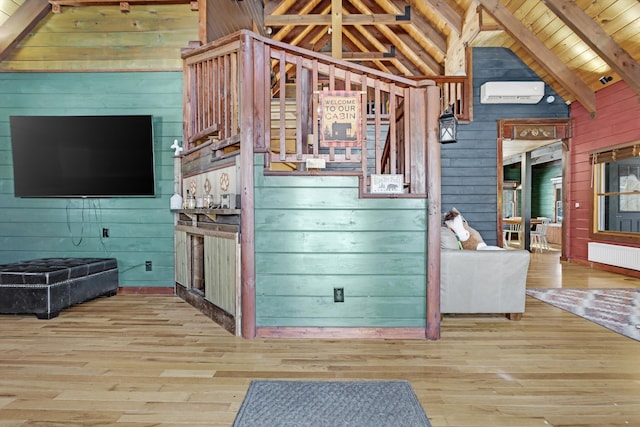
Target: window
<point>617,192</point>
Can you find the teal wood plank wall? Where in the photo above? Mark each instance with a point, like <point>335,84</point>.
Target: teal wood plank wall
<point>313,234</point>
<point>542,189</point>
<point>140,228</point>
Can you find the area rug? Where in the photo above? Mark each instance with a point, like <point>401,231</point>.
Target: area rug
<point>615,309</point>
<point>330,404</point>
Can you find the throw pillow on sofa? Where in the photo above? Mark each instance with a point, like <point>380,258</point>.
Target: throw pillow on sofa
<point>448,239</point>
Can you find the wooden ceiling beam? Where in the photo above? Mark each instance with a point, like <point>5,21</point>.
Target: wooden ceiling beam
<point>295,19</point>
<point>336,28</point>
<point>308,7</point>
<point>356,43</point>
<point>543,55</point>
<point>444,11</point>
<point>58,3</point>
<point>370,56</point>
<point>318,19</point>
<point>16,28</point>
<point>598,40</point>
<point>321,41</point>
<point>426,35</point>
<point>309,38</point>
<point>312,32</point>
<point>381,47</point>
<point>436,67</point>
<point>278,7</point>
<point>393,38</point>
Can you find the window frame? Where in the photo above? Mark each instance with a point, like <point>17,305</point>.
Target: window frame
<point>599,160</point>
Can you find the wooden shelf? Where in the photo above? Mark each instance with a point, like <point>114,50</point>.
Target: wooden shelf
<point>207,211</point>
<point>196,215</point>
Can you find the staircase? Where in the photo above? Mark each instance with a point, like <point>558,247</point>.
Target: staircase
<point>229,89</point>
<point>288,130</point>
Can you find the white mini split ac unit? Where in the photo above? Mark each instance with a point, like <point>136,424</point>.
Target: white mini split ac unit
<point>511,92</point>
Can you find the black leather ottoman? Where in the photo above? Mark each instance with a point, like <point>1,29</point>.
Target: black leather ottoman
<point>46,286</point>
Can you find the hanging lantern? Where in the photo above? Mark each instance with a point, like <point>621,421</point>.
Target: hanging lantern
<point>448,127</point>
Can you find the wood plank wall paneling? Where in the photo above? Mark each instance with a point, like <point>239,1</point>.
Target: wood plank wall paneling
<point>615,123</point>
<point>313,234</point>
<point>542,191</point>
<point>226,17</point>
<point>469,167</point>
<point>140,229</point>
<point>101,38</point>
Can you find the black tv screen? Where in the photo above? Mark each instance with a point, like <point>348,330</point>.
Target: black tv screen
<point>82,156</point>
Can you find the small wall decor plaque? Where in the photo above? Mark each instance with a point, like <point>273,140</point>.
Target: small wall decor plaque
<point>387,184</point>
<point>224,181</point>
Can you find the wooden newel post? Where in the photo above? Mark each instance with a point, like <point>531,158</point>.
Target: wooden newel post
<point>434,215</point>
<point>247,258</point>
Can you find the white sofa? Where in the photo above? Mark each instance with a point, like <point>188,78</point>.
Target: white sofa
<point>485,281</point>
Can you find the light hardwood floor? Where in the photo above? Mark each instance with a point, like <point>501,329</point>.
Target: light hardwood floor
<point>135,360</point>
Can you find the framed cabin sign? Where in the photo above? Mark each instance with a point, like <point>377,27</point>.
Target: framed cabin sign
<point>340,118</point>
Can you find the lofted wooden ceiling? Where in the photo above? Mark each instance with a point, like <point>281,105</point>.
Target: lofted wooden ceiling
<point>570,44</point>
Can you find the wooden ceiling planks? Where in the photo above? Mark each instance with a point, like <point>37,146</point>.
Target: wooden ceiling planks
<point>599,41</point>
<point>101,38</point>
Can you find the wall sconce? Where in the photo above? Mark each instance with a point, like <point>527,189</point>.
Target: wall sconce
<point>448,127</point>
<point>605,79</point>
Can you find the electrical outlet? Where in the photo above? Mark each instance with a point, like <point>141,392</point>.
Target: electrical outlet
<point>105,232</point>
<point>148,265</point>
<point>338,294</point>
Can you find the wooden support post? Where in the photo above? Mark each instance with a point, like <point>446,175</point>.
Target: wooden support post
<point>247,227</point>
<point>416,114</point>
<point>434,217</point>
<point>336,29</point>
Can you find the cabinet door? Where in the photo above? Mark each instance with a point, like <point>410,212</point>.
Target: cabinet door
<point>220,254</point>
<point>181,258</point>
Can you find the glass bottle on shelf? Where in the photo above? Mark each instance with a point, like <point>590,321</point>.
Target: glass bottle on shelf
<point>191,200</point>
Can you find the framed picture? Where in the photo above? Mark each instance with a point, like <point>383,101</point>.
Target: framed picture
<point>340,118</point>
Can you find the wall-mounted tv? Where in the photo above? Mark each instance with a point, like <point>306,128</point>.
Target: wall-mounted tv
<point>82,156</point>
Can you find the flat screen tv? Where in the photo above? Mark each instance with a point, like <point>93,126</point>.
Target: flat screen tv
<point>82,156</point>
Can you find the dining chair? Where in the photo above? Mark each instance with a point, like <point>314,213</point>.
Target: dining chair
<point>539,235</point>
<point>507,234</point>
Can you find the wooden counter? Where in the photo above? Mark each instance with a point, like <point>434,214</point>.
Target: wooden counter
<point>554,233</point>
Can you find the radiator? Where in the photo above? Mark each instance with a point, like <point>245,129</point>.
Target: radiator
<point>619,256</point>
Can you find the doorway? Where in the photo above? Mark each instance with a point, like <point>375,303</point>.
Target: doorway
<point>532,143</point>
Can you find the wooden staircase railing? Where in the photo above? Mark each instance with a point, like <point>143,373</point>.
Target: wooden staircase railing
<point>217,96</point>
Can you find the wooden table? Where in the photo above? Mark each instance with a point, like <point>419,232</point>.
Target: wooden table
<point>518,220</point>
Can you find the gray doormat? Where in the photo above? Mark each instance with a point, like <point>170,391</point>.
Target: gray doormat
<point>330,404</point>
